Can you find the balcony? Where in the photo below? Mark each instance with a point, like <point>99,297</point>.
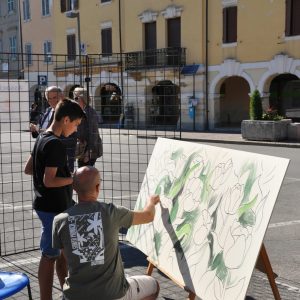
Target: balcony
<point>156,58</point>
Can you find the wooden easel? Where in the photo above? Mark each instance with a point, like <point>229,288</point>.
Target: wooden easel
<point>150,268</point>
<point>263,264</point>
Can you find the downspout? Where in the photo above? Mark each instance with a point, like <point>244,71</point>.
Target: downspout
<point>206,66</point>
<point>121,53</point>
<point>21,44</point>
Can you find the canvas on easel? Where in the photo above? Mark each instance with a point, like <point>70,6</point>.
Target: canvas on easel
<point>215,207</point>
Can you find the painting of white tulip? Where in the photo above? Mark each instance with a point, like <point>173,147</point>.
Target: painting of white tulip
<point>215,207</point>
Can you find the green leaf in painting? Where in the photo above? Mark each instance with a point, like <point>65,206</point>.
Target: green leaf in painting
<point>247,218</point>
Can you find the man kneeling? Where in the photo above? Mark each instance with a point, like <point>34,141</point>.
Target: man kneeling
<point>88,234</point>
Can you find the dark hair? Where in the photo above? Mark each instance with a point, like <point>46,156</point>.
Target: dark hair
<point>68,108</point>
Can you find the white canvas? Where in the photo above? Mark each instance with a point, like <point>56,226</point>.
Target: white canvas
<point>216,204</point>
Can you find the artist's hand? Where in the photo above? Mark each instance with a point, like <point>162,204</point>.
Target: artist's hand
<point>153,199</point>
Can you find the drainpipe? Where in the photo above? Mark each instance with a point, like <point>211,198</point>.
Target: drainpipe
<point>121,53</point>
<point>21,44</point>
<point>206,65</point>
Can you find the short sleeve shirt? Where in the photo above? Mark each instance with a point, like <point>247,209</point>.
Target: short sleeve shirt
<point>49,151</point>
<point>88,233</point>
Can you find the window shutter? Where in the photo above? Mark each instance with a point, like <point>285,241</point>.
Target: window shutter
<point>63,6</point>
<point>174,32</point>
<point>106,41</point>
<point>24,10</point>
<point>71,46</point>
<point>150,35</point>
<point>76,4</point>
<point>224,25</point>
<point>295,18</point>
<point>230,24</point>
<point>288,17</point>
<point>233,24</point>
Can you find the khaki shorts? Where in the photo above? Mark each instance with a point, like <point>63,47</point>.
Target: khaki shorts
<point>140,287</point>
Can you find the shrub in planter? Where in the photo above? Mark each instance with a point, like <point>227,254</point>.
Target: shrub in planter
<point>256,110</point>
<point>271,114</point>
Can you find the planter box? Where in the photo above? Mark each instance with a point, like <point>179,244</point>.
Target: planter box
<point>258,130</point>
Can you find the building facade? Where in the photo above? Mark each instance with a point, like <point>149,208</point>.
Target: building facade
<point>252,45</point>
<point>11,62</point>
<point>200,60</point>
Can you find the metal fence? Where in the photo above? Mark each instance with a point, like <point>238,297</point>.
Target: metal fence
<point>135,106</point>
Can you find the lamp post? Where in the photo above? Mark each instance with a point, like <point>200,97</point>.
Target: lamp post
<point>75,14</point>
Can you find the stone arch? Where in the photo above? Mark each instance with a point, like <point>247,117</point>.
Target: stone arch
<point>230,68</point>
<point>280,64</point>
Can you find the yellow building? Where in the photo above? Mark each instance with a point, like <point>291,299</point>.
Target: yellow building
<point>199,58</point>
<point>252,45</point>
<point>143,45</point>
<point>38,40</point>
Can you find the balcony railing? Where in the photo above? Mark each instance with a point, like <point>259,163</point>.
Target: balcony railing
<point>156,58</point>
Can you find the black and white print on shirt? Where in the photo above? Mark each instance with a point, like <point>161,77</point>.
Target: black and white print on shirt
<point>87,238</point>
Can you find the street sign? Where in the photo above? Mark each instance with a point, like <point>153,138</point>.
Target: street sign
<point>190,69</point>
<point>42,80</point>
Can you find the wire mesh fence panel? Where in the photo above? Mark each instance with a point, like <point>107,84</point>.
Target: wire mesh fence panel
<point>137,99</point>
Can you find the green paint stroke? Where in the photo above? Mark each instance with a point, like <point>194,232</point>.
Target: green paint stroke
<point>177,154</point>
<point>251,168</point>
<point>184,231</point>
<point>178,183</point>
<point>219,265</point>
<point>248,218</point>
<point>164,183</point>
<point>205,177</point>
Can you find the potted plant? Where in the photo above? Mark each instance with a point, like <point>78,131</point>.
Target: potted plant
<point>267,126</point>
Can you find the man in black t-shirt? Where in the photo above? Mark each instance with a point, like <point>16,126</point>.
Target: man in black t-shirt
<point>52,182</point>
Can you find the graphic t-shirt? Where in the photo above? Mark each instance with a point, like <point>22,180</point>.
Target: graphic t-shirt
<point>49,151</point>
<point>88,233</point>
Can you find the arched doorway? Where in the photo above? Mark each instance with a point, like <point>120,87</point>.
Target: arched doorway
<point>234,102</point>
<point>284,95</point>
<point>164,109</point>
<point>111,103</point>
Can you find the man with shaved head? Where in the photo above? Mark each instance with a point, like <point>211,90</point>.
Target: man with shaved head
<point>88,234</point>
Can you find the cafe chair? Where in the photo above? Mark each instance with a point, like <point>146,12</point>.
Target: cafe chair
<point>13,282</point>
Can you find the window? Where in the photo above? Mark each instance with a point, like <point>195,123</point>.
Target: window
<point>106,41</point>
<point>67,5</point>
<point>45,8</point>
<point>230,24</point>
<point>71,46</point>
<point>1,49</point>
<point>150,43</point>
<point>13,47</point>
<point>26,10</point>
<point>174,40</point>
<point>174,32</point>
<point>292,20</point>
<point>47,51</point>
<point>10,6</point>
<point>28,54</point>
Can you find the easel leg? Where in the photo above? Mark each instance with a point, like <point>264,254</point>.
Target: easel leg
<point>269,271</point>
<point>150,269</point>
<point>192,296</point>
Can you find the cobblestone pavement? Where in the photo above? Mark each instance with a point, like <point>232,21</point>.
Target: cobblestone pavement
<point>135,263</point>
